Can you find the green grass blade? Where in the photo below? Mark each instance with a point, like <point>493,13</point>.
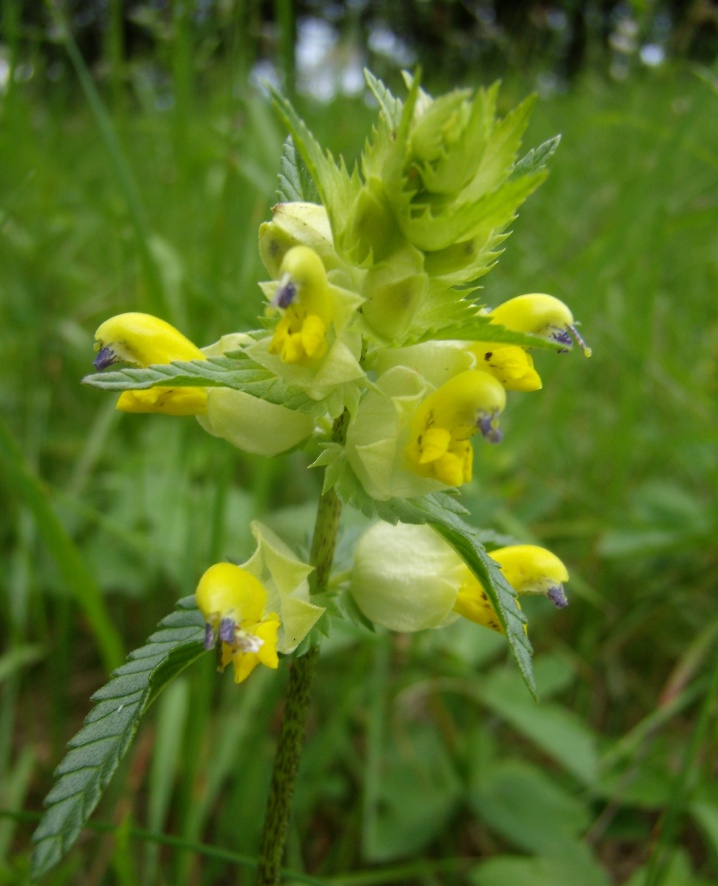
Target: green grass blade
<point>97,749</point>
<point>123,173</point>
<point>73,569</point>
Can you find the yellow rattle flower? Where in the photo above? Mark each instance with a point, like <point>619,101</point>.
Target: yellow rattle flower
<point>443,424</point>
<point>529,569</point>
<point>232,602</point>
<point>143,340</point>
<point>303,296</point>
<point>408,578</point>
<point>540,314</point>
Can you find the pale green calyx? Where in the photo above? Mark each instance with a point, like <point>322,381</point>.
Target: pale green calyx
<point>249,423</point>
<point>285,578</point>
<point>405,578</point>
<point>410,436</point>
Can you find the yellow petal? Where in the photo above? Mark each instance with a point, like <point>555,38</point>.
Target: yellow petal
<point>141,340</point>
<point>169,401</point>
<point>228,591</point>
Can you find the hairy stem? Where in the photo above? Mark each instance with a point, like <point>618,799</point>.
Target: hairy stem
<point>294,719</point>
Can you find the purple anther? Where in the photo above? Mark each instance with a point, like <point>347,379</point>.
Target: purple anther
<point>105,357</point>
<point>488,429</point>
<point>226,630</point>
<point>286,294</point>
<point>557,596</point>
<point>210,636</point>
<point>562,337</point>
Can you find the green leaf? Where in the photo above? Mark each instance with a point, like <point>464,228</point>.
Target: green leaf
<point>238,373</point>
<point>337,188</point>
<point>445,513</point>
<point>480,328</point>
<point>560,733</point>
<point>295,182</point>
<point>536,158</point>
<point>97,749</point>
<point>529,808</point>
<point>391,107</point>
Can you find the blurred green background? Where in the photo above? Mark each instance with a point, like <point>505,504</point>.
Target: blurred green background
<point>138,155</point>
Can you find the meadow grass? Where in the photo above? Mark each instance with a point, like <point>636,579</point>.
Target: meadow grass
<point>427,761</point>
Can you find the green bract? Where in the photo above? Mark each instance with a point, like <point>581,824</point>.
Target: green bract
<point>439,184</point>
<point>285,578</point>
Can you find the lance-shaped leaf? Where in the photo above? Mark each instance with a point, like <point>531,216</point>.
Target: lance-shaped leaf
<point>97,749</point>
<point>295,182</point>
<point>237,373</point>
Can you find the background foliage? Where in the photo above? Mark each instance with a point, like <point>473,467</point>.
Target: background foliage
<point>427,760</point>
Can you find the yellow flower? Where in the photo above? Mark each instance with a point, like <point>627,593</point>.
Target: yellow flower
<point>143,340</point>
<point>408,578</point>
<point>233,603</point>
<point>303,296</point>
<point>540,314</point>
<point>529,569</point>
<point>442,426</point>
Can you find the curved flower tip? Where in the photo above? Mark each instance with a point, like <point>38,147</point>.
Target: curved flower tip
<point>530,569</point>
<point>303,296</point>
<point>143,340</point>
<point>232,602</point>
<point>439,444</point>
<point>540,314</point>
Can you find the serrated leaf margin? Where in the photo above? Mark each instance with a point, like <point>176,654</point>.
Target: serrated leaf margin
<point>98,748</point>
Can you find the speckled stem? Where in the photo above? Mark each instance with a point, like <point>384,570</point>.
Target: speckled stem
<point>294,719</point>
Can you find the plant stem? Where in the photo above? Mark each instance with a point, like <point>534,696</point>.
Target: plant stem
<point>294,719</point>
